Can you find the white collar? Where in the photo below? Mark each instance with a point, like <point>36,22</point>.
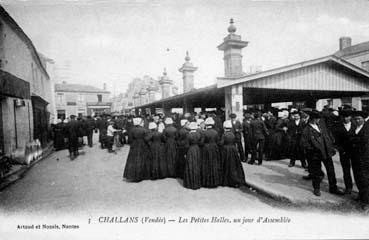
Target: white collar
<point>315,126</point>
<point>358,128</point>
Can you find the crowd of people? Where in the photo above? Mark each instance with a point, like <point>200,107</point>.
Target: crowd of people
<point>206,151</point>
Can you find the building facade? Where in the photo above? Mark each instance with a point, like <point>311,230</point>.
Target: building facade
<point>80,100</point>
<point>25,91</point>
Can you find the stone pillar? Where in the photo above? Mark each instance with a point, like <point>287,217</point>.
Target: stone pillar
<point>151,94</point>
<point>142,94</point>
<point>136,100</point>
<point>232,48</point>
<point>356,103</point>
<point>165,84</point>
<point>187,71</point>
<point>234,101</point>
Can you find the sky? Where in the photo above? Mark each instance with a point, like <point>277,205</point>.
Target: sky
<point>117,41</point>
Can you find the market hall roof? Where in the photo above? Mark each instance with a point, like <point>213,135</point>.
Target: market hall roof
<point>354,49</point>
<point>66,87</point>
<point>282,76</point>
<point>209,96</point>
<point>323,76</point>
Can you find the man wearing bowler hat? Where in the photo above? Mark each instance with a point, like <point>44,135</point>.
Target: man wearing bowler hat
<point>319,145</point>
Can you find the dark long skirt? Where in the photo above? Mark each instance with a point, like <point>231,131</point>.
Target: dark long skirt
<point>181,160</point>
<point>192,171</point>
<point>211,168</point>
<point>159,167</point>
<point>171,154</point>
<point>135,169</point>
<point>233,175</point>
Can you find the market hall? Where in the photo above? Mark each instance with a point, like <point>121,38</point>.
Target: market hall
<point>304,84</point>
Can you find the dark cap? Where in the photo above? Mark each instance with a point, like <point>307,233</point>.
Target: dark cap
<point>345,113</point>
<point>232,115</point>
<point>360,113</point>
<point>315,114</point>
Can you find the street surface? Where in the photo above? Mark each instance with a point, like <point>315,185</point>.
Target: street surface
<point>94,181</point>
<point>90,189</point>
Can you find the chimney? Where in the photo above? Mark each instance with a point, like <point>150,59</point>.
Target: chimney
<point>104,86</point>
<point>345,42</point>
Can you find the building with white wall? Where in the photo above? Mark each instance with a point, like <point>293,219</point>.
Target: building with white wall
<point>25,90</point>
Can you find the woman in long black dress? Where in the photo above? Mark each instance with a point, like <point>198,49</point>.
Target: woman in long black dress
<point>134,170</point>
<point>182,147</point>
<point>192,171</point>
<point>233,174</point>
<point>170,133</point>
<point>159,168</point>
<point>211,169</point>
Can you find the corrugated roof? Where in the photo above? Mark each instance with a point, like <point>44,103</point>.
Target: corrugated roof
<point>66,87</point>
<point>354,49</point>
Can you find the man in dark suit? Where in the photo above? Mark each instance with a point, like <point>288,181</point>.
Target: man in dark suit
<point>102,125</point>
<point>318,144</point>
<point>343,133</point>
<point>90,126</point>
<point>247,134</point>
<point>258,133</point>
<point>295,128</point>
<point>360,157</point>
<point>73,130</point>
<point>237,131</point>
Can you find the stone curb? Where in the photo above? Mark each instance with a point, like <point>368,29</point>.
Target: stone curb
<point>278,196</point>
<point>14,176</point>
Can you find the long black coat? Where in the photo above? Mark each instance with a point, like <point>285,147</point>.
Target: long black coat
<point>360,161</point>
<point>295,134</point>
<point>318,144</point>
<point>258,129</point>
<point>343,137</point>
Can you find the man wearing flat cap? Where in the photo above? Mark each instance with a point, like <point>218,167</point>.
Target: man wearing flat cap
<point>237,131</point>
<point>318,144</point>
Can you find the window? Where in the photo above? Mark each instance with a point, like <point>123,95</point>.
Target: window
<point>60,98</point>
<point>71,103</point>
<point>99,97</point>
<point>365,65</point>
<point>80,98</point>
